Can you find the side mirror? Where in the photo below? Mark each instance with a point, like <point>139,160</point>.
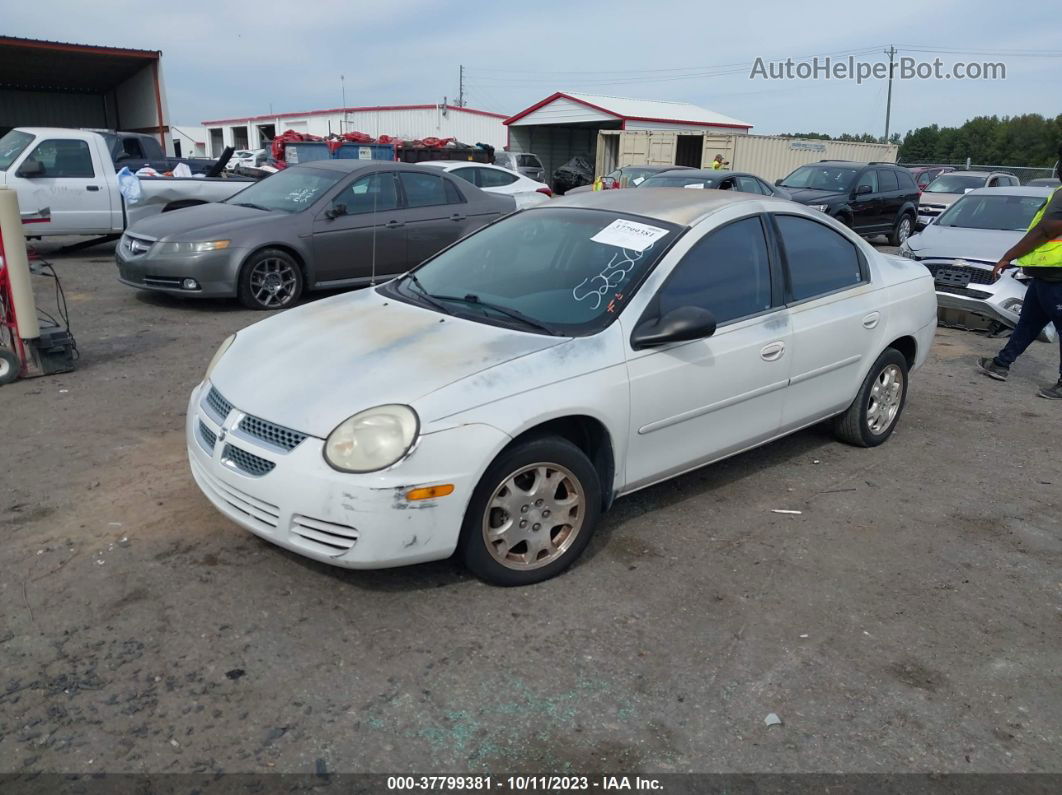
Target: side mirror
<point>863,189</point>
<point>778,181</point>
<point>335,211</point>
<point>30,169</point>
<point>679,325</point>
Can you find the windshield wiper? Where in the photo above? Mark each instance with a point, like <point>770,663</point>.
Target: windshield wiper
<point>428,297</point>
<point>475,300</point>
<point>253,206</point>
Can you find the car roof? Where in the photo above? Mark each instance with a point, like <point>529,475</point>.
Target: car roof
<point>1012,190</point>
<point>350,166</point>
<point>681,207</point>
<point>445,163</point>
<point>652,167</point>
<point>984,174</point>
<point>703,173</point>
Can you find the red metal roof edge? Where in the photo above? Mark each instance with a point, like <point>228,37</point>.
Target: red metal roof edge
<point>367,109</point>
<point>560,94</point>
<point>63,46</point>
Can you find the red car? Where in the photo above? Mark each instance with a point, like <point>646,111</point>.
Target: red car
<point>923,175</point>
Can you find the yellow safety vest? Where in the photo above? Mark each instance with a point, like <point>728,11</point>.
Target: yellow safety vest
<point>717,165</point>
<point>1046,255</point>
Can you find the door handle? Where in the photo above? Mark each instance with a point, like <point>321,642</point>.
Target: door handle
<point>394,224</point>
<point>871,320</point>
<point>772,352</point>
<point>458,217</point>
<point>92,187</point>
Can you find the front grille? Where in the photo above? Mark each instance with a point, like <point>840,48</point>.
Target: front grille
<point>163,281</point>
<point>272,434</point>
<point>977,275</point>
<point>335,538</point>
<point>218,404</point>
<point>252,507</point>
<point>207,437</point>
<point>946,288</point>
<point>931,209</point>
<point>247,462</point>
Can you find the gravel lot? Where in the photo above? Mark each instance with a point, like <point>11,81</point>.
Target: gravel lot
<point>908,620</point>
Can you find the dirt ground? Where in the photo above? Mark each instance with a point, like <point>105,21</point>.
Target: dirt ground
<point>909,619</point>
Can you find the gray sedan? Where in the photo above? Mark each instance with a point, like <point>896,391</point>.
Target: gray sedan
<point>332,223</point>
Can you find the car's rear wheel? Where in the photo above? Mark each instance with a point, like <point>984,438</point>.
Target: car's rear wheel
<point>270,279</point>
<point>10,366</point>
<point>532,513</point>
<point>873,415</point>
<point>902,230</point>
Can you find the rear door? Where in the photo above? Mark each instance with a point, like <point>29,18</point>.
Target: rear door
<point>836,314</point>
<point>367,235</point>
<point>892,196</point>
<point>436,214</point>
<point>72,186</point>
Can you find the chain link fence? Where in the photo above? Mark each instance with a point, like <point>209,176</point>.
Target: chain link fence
<point>1023,173</point>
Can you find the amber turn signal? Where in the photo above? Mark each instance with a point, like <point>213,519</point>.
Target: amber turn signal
<point>430,492</point>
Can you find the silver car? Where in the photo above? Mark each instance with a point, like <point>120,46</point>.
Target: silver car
<point>332,223</point>
<point>942,192</point>
<point>522,163</point>
<point>961,247</point>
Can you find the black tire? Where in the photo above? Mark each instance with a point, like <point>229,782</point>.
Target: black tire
<point>10,366</point>
<point>568,473</point>
<point>902,230</point>
<point>855,426</point>
<point>264,270</point>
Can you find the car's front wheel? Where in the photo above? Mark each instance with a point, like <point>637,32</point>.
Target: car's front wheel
<point>532,513</point>
<point>270,279</point>
<point>873,415</point>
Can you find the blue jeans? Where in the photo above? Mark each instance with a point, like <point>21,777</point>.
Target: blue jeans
<point>1043,305</point>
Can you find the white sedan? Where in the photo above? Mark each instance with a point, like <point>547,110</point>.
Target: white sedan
<point>495,179</point>
<point>496,400</point>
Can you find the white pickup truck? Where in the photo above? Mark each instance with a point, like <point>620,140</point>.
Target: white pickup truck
<point>67,184</point>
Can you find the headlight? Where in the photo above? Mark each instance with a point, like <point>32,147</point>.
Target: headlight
<point>820,207</point>
<point>193,248</point>
<point>906,252</point>
<point>217,356</point>
<point>373,439</point>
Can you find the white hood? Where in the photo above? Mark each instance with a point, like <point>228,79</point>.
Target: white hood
<point>952,241</point>
<point>312,367</point>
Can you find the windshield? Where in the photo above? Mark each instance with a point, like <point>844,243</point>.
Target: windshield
<point>666,181</point>
<point>632,177</point>
<point>291,190</point>
<point>818,177</point>
<point>565,269</point>
<point>1010,213</point>
<point>12,145</point>
<point>949,183</point>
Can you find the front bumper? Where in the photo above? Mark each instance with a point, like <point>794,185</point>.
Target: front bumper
<point>355,521</point>
<point>215,271</point>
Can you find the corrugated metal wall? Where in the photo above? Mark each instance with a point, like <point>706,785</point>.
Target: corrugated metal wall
<point>48,109</point>
<point>771,157</point>
<point>554,145</point>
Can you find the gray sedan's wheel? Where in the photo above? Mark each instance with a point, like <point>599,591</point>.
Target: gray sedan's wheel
<point>10,366</point>
<point>270,279</point>
<point>873,415</point>
<point>532,513</point>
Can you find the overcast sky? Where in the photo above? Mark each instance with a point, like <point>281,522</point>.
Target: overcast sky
<point>231,58</point>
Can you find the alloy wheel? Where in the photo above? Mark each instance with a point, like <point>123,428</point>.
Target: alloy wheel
<point>534,516</point>
<point>904,231</point>
<point>273,282</point>
<point>885,397</point>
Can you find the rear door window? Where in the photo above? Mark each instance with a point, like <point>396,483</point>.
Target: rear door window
<point>424,190</point>
<point>489,178</point>
<point>887,182</point>
<point>468,174</point>
<point>368,194</point>
<point>819,259</point>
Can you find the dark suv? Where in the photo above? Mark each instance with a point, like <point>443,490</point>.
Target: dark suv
<point>871,198</point>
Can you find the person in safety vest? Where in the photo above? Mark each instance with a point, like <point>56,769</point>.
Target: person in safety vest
<point>1039,253</point>
<point>718,164</point>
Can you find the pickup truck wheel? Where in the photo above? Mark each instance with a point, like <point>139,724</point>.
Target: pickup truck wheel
<point>532,513</point>
<point>873,415</point>
<point>270,279</point>
<point>9,366</point>
<point>902,230</point>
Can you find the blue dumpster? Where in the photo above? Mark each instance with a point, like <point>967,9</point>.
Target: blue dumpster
<point>309,151</point>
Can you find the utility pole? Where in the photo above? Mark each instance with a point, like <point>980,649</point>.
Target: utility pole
<point>891,52</point>
<point>461,86</point>
<point>343,91</point>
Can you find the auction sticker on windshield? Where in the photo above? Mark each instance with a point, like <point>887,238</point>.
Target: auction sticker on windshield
<point>630,235</point>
